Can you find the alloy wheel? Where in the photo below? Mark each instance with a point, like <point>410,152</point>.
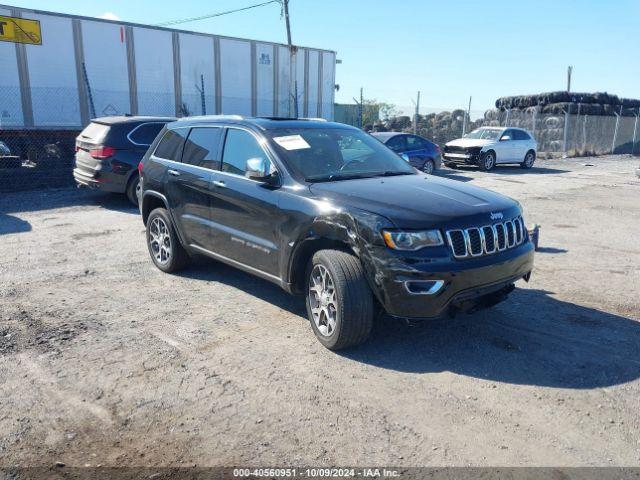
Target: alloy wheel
<point>528,160</point>
<point>160,241</point>
<point>323,301</point>
<point>428,167</point>
<point>488,161</point>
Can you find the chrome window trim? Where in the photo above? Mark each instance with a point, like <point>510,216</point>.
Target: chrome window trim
<point>140,125</point>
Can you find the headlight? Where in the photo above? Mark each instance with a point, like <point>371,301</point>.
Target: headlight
<point>399,240</point>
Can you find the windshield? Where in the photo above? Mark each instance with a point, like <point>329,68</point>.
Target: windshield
<point>484,133</point>
<point>331,154</point>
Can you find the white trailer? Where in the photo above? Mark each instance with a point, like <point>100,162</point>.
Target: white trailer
<point>88,67</point>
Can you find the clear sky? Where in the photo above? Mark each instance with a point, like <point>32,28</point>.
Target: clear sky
<point>447,49</point>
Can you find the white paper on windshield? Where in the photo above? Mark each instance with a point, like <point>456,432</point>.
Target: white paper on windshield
<point>292,142</point>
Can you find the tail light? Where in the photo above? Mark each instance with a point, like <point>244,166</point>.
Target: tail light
<point>438,149</point>
<point>140,166</point>
<point>77,148</point>
<point>102,152</point>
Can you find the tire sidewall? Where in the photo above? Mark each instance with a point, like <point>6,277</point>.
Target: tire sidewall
<point>330,341</point>
<point>131,189</point>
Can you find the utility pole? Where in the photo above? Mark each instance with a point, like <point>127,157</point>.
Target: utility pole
<point>468,115</point>
<point>415,116</point>
<point>569,71</point>
<point>292,58</point>
<point>360,105</point>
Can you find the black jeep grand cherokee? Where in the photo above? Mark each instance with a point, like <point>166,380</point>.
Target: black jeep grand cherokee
<point>325,210</point>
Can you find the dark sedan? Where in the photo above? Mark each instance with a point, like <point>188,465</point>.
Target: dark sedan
<point>420,152</point>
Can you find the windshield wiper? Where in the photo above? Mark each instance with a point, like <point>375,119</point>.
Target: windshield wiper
<point>390,173</point>
<point>337,176</point>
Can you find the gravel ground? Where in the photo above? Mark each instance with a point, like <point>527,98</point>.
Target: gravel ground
<point>104,360</point>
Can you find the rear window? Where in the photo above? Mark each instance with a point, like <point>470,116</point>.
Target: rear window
<point>145,133</point>
<point>170,147</point>
<point>95,131</point>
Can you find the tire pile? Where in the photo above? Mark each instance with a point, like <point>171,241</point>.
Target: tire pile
<point>438,127</point>
<point>548,110</point>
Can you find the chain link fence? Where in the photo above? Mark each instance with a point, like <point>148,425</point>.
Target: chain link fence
<point>564,131</point>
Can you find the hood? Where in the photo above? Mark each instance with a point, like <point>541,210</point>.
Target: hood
<point>419,201</point>
<point>469,142</point>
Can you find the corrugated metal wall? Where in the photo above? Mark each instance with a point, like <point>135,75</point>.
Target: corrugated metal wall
<point>91,67</point>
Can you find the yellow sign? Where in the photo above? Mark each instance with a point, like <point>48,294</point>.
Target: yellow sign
<point>20,30</point>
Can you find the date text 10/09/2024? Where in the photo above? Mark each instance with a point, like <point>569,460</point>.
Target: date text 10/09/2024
<point>316,472</point>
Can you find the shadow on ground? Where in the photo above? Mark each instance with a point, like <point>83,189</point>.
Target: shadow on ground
<point>11,224</point>
<point>531,339</point>
<point>513,170</point>
<point>32,201</point>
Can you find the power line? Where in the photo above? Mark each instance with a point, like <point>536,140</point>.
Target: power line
<point>219,14</point>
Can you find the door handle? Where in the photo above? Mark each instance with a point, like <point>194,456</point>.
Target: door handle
<point>175,173</point>
<point>219,183</point>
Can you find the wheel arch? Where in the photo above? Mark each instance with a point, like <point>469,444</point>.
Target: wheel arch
<point>150,201</point>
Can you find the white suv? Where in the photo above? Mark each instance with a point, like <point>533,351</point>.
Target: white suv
<point>488,146</point>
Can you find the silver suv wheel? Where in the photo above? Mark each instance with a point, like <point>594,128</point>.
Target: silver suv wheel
<point>322,300</point>
<point>160,241</point>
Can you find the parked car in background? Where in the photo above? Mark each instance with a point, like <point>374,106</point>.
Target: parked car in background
<point>326,211</point>
<point>418,151</point>
<point>4,149</point>
<point>109,149</point>
<point>488,146</point>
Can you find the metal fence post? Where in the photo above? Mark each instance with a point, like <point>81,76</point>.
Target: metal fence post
<point>535,117</point>
<point>635,128</point>
<point>566,131</point>
<point>584,134</point>
<point>506,121</point>
<point>615,132</point>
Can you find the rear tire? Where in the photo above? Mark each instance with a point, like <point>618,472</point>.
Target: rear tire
<point>132,189</point>
<point>529,159</point>
<point>338,298</point>
<point>429,167</point>
<point>167,253</point>
<point>488,161</point>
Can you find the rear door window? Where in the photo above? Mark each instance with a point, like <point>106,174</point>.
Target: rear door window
<point>145,133</point>
<point>201,147</point>
<point>170,147</point>
<point>521,135</point>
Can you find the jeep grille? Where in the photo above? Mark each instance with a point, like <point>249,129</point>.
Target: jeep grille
<point>488,239</point>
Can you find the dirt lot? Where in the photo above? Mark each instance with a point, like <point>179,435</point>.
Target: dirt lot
<point>106,360</point>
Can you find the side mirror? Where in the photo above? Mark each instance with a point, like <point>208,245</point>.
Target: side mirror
<point>505,138</point>
<point>257,169</point>
<point>405,157</point>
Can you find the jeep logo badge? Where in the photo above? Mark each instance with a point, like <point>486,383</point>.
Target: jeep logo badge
<point>496,216</point>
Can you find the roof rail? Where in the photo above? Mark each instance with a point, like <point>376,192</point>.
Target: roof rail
<point>313,119</point>
<point>213,117</point>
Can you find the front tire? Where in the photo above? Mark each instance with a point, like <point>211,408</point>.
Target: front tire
<point>488,161</point>
<point>167,253</point>
<point>529,159</point>
<point>339,300</point>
